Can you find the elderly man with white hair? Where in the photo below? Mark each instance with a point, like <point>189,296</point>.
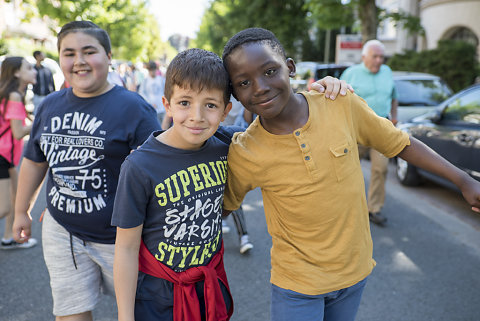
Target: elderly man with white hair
<point>373,81</point>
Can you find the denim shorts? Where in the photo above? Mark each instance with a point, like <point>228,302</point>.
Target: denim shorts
<point>79,271</point>
<point>341,305</point>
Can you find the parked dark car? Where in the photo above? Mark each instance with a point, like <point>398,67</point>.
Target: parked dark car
<point>418,93</point>
<point>309,71</point>
<point>453,131</point>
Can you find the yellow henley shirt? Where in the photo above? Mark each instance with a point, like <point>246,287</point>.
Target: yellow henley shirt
<point>313,191</point>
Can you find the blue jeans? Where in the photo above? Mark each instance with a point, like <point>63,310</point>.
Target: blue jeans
<point>341,305</point>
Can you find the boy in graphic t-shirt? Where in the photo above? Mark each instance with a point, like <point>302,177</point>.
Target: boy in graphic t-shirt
<point>169,250</point>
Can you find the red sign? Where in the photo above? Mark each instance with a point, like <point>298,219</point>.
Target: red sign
<point>351,45</point>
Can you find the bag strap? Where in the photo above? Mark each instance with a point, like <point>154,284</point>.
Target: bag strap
<point>4,131</point>
<point>13,147</point>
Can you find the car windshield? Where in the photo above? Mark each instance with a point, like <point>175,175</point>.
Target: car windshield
<point>421,92</point>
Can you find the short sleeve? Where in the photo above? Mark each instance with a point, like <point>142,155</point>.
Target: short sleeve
<point>33,151</point>
<point>394,92</point>
<point>240,175</point>
<point>392,140</point>
<point>131,198</point>
<point>15,110</point>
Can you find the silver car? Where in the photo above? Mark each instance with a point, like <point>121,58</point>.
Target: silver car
<point>418,93</point>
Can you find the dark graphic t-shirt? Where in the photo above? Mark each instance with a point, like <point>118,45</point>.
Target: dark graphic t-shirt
<point>85,141</point>
<point>177,195</point>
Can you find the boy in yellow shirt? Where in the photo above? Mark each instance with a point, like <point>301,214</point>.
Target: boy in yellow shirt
<point>302,152</point>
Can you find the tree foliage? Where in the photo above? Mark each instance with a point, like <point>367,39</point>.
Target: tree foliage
<point>3,47</point>
<point>330,14</point>
<point>299,24</point>
<point>339,13</point>
<point>286,18</point>
<point>132,29</point>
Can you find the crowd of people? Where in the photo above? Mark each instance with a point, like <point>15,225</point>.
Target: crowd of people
<point>135,210</point>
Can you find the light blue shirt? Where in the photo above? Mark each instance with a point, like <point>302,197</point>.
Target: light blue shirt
<point>378,89</point>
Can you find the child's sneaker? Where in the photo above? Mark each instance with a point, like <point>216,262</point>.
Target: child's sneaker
<point>245,244</point>
<point>11,245</point>
<point>225,227</point>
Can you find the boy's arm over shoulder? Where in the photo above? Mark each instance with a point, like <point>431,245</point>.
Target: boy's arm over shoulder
<point>225,133</point>
<point>420,155</point>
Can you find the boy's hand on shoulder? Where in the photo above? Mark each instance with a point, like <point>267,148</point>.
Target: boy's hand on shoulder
<point>331,87</point>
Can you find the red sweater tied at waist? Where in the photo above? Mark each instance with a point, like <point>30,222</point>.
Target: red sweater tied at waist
<point>186,306</point>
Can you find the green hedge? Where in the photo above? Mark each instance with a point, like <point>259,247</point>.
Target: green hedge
<point>455,61</point>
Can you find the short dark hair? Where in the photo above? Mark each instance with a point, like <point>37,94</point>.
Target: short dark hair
<point>197,69</point>
<point>89,28</point>
<point>152,65</point>
<point>251,35</point>
<point>36,53</point>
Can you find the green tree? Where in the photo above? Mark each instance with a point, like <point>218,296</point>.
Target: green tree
<point>331,14</point>
<point>286,18</point>
<point>328,17</point>
<point>132,29</point>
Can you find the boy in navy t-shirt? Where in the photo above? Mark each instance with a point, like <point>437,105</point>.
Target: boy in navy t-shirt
<point>79,139</point>
<point>169,203</point>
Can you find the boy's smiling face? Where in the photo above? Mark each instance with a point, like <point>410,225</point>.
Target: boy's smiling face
<point>196,116</point>
<point>84,63</point>
<point>260,78</point>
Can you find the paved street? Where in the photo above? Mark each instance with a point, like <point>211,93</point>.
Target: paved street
<point>427,256</point>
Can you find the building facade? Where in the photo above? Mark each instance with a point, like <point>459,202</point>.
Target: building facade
<point>441,19</point>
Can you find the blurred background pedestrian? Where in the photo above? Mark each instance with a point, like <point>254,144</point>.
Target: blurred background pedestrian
<point>373,81</point>
<point>44,84</point>
<point>152,89</point>
<point>16,74</point>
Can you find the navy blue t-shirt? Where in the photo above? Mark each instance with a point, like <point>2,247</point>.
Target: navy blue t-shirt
<point>85,141</point>
<point>177,195</point>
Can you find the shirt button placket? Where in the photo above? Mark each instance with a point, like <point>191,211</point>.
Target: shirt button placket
<point>303,146</point>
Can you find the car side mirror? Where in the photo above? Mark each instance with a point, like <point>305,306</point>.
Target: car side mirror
<point>435,117</point>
